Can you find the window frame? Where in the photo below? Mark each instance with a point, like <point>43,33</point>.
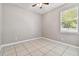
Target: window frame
<point>61,12</point>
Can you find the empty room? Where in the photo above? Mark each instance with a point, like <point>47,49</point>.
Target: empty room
<point>39,29</point>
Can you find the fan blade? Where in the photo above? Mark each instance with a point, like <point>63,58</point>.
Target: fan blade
<point>41,7</point>
<point>34,5</point>
<point>46,3</point>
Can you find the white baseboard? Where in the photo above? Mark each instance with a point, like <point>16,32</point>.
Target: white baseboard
<point>61,42</point>
<point>0,48</point>
<point>14,43</point>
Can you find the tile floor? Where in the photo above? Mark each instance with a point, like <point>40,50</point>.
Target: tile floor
<point>40,47</point>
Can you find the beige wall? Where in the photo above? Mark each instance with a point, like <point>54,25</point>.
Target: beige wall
<point>19,24</point>
<point>51,26</point>
<point>0,22</point>
<point>0,26</point>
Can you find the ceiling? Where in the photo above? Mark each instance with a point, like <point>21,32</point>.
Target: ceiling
<point>45,9</point>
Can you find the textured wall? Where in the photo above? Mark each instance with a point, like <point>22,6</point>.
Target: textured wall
<point>0,26</point>
<point>51,26</point>
<point>0,21</point>
<point>19,24</point>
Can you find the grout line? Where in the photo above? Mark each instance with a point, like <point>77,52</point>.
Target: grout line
<point>50,50</point>
<point>61,42</point>
<point>64,51</point>
<point>38,48</point>
<point>42,47</point>
<point>27,50</point>
<point>41,51</point>
<point>15,51</point>
<point>14,43</point>
<point>2,52</point>
<point>55,47</point>
<point>47,52</point>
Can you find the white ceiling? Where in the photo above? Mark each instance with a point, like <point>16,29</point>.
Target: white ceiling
<point>45,9</point>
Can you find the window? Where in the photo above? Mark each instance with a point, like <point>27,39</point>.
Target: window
<point>69,20</point>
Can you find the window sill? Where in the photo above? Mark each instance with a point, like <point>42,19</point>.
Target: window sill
<point>71,33</point>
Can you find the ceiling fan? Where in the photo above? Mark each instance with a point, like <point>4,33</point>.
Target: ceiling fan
<point>40,5</point>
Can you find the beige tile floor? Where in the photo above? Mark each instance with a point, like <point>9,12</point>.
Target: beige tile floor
<point>40,47</point>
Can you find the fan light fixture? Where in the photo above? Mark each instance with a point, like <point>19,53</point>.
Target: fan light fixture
<point>40,5</point>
